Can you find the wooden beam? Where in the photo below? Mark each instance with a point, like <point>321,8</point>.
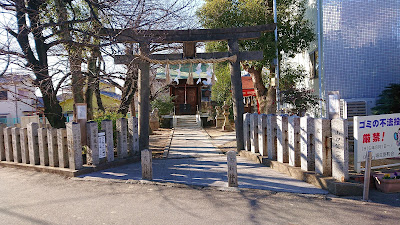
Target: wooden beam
<point>178,36</point>
<point>243,56</point>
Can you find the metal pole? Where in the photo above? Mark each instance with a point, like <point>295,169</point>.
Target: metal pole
<point>367,176</point>
<point>320,53</point>
<point>278,99</point>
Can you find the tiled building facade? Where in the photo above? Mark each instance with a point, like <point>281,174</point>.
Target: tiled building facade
<point>361,46</point>
<point>357,45</point>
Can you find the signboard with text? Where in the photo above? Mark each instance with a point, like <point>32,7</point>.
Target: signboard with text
<point>102,144</point>
<point>379,134</point>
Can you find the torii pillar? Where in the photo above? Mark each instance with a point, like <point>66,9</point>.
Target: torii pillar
<point>236,81</point>
<point>144,98</point>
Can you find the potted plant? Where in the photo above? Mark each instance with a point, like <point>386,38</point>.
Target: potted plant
<point>388,182</point>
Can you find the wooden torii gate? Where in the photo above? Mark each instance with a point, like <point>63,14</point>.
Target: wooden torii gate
<point>189,39</point>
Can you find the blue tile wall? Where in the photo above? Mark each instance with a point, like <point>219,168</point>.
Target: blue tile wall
<point>361,45</point>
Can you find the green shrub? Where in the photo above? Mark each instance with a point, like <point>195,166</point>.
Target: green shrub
<point>108,115</point>
<point>164,104</point>
<point>388,101</point>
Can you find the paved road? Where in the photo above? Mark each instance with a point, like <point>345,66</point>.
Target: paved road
<point>38,198</point>
<point>194,160</point>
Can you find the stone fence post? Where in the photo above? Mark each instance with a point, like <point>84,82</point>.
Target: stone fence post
<point>271,136</point>
<point>2,149</point>
<point>246,131</point>
<point>232,169</point>
<point>147,164</point>
<point>8,144</point>
<point>92,135</point>
<point>23,134</point>
<point>282,139</point>
<point>254,132</point>
<point>262,134</point>
<point>122,138</point>
<point>52,146</point>
<point>74,145</point>
<point>323,150</point>
<point>33,143</point>
<point>294,140</point>
<point>340,149</point>
<point>43,147</point>
<point>62,148</point>
<point>307,143</point>
<point>107,126</point>
<point>133,138</point>
<point>16,144</point>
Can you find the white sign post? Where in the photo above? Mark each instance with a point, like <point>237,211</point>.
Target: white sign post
<point>102,145</point>
<point>379,134</point>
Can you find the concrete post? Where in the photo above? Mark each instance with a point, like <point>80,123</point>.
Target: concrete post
<point>282,139</point>
<point>63,160</point>
<point>122,138</point>
<point>232,169</point>
<point>323,150</point>
<point>254,132</point>
<point>107,126</point>
<point>144,99</point>
<point>16,144</point>
<point>246,131</point>
<point>147,165</point>
<point>52,147</point>
<point>237,93</point>
<point>74,146</point>
<point>294,140</point>
<point>23,134</point>
<point>271,136</point>
<point>8,144</point>
<point>133,138</point>
<point>92,135</point>
<point>43,147</point>
<point>307,143</point>
<point>33,143</point>
<point>2,149</point>
<point>340,150</point>
<point>262,134</point>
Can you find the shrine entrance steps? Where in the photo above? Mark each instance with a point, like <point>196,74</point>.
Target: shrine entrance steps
<point>186,121</point>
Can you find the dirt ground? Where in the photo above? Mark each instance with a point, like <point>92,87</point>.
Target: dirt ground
<point>158,140</point>
<point>216,132</point>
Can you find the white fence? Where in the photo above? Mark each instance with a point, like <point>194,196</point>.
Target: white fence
<point>319,145</point>
<point>62,147</point>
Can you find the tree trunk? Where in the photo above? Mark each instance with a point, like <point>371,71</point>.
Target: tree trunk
<point>39,62</point>
<point>98,95</point>
<point>52,108</point>
<point>259,88</point>
<point>129,90</point>
<point>266,97</point>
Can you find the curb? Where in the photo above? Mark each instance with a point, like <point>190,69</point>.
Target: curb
<point>166,150</point>
<point>327,183</point>
<point>68,172</point>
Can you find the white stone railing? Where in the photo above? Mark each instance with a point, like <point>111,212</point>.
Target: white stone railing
<point>62,147</point>
<point>314,144</point>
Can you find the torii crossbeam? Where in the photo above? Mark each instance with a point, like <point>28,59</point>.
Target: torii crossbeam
<point>189,39</point>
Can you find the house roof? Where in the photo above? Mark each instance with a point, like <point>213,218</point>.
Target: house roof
<point>247,83</point>
<point>67,96</point>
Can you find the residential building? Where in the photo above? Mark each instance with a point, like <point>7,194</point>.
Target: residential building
<point>17,98</point>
